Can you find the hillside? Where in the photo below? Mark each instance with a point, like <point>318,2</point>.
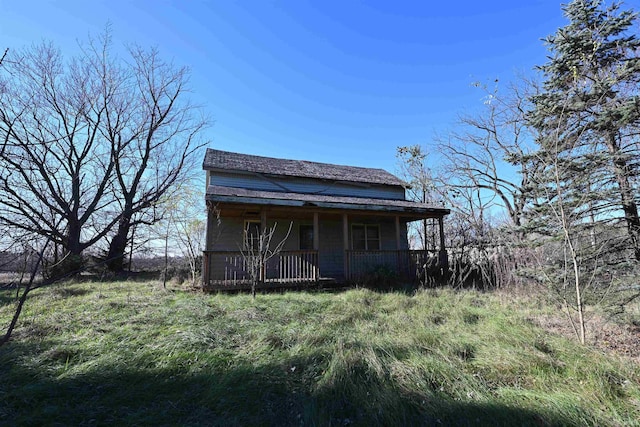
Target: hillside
<point>135,354</point>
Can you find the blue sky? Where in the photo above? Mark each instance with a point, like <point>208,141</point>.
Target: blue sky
<point>333,81</point>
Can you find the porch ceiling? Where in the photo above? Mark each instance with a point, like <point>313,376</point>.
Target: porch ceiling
<point>404,208</point>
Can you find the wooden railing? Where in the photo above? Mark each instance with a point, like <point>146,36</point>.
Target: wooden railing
<point>231,268</point>
<point>403,263</point>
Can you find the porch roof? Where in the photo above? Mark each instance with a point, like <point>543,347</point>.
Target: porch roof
<point>271,198</point>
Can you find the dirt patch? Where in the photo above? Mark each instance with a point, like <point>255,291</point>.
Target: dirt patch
<point>623,340</point>
<point>607,336</point>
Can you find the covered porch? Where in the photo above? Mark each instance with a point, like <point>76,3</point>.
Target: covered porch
<point>337,241</point>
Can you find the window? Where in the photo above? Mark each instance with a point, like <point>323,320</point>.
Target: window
<point>306,237</point>
<point>251,235</point>
<point>365,237</point>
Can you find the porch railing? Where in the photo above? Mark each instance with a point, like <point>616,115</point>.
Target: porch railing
<point>231,268</point>
<point>406,263</point>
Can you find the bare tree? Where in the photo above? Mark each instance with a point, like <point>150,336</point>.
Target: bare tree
<point>413,163</point>
<point>34,251</point>
<point>484,175</point>
<point>56,172</point>
<point>258,249</point>
<point>182,230</point>
<point>92,143</point>
<point>22,296</point>
<point>191,235</point>
<point>157,145</point>
<point>490,154</point>
<point>33,237</point>
<point>576,267</point>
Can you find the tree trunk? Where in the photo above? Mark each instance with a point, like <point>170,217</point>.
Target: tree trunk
<point>118,246</point>
<point>629,207</point>
<point>70,263</point>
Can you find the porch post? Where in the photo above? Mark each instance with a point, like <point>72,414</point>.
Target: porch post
<point>209,234</point>
<point>263,219</point>
<point>442,258</point>
<point>316,232</point>
<point>345,243</point>
<point>208,242</point>
<point>205,269</point>
<point>263,228</point>
<point>316,246</point>
<point>399,268</point>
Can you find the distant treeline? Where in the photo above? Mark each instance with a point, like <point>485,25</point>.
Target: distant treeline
<point>14,262</point>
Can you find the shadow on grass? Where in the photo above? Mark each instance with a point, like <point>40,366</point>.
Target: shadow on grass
<point>289,393</point>
<point>107,277</point>
<point>7,296</point>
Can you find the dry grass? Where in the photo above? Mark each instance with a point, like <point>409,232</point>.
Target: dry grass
<point>133,353</point>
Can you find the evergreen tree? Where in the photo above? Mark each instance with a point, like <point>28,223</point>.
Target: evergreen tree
<point>587,118</point>
<point>585,189</point>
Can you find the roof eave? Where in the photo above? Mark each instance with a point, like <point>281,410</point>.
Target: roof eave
<point>420,211</point>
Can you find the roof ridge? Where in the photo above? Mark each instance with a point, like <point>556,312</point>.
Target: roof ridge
<point>294,160</point>
<point>228,160</point>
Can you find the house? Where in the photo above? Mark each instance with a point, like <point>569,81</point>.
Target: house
<point>336,223</point>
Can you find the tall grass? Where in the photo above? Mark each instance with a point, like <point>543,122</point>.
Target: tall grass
<point>133,353</point>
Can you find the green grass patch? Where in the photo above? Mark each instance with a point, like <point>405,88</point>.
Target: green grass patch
<point>133,353</point>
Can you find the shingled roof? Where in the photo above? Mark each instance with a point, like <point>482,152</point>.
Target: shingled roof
<point>226,160</point>
<point>245,196</point>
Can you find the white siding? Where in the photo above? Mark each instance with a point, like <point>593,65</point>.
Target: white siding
<point>304,185</point>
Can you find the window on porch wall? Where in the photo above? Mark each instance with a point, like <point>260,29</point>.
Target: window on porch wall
<point>251,236</point>
<point>306,237</point>
<point>365,237</point>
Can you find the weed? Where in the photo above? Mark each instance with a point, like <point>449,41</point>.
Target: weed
<point>132,353</point>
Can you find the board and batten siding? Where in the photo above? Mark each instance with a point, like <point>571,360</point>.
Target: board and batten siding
<point>229,234</point>
<point>305,185</point>
<point>228,237</point>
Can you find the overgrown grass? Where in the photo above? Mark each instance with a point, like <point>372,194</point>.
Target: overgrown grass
<point>133,353</point>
